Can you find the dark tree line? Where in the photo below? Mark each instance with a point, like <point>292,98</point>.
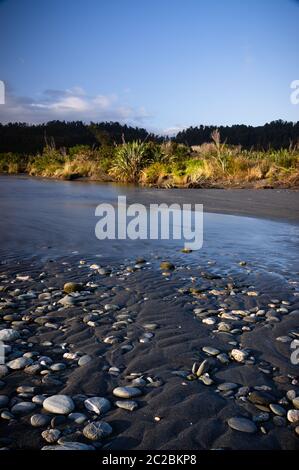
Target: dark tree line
<point>276,135</point>
<point>30,139</point>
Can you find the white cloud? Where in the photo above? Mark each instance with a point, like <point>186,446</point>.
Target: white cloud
<point>70,104</point>
<point>172,131</point>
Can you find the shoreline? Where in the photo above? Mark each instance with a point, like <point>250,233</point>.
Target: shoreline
<point>279,204</point>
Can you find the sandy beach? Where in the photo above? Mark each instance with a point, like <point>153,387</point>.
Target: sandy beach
<point>191,355</point>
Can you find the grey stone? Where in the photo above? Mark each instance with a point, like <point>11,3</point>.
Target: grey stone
<point>98,405</point>
<point>59,404</point>
<point>97,430</point>
<point>8,335</point>
<point>39,420</point>
<point>126,392</point>
<point>242,425</point>
<point>23,408</point>
<point>129,405</point>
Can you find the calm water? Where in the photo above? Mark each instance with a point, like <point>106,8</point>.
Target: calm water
<point>52,218</point>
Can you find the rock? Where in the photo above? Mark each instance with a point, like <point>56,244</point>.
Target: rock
<point>277,409</point>
<point>167,266</point>
<point>126,392</point>
<point>84,360</point>
<point>3,401</point>
<point>58,366</point>
<point>211,351</point>
<point>78,418</point>
<point>293,416</point>
<point>59,404</point>
<point>295,402</point>
<point>51,435</point>
<point>203,368</point>
<point>239,355</point>
<point>68,300</point>
<point>227,386</point>
<point>39,420</point>
<point>129,405</point>
<point>261,398</point>
<point>23,408</point>
<point>98,405</point>
<point>242,425</point>
<point>39,399</point>
<point>70,446</point>
<point>70,287</point>
<point>26,389</point>
<point>19,363</point>
<point>9,335</point>
<point>97,430</point>
<point>223,358</point>
<point>206,379</point>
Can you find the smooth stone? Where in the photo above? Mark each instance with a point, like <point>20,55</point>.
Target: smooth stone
<point>98,405</point>
<point>8,334</point>
<point>167,266</point>
<point>70,287</point>
<point>126,392</point>
<point>210,350</point>
<point>295,402</point>
<point>97,430</point>
<point>261,397</point>
<point>19,363</point>
<point>23,408</point>
<point>277,409</point>
<point>58,366</point>
<point>279,421</point>
<point>238,355</point>
<point>203,368</point>
<point>293,416</point>
<point>242,425</point>
<point>226,386</point>
<point>39,420</point>
<point>51,435</point>
<point>129,405</point>
<point>78,418</point>
<point>84,360</point>
<point>59,404</point>
<point>39,399</point>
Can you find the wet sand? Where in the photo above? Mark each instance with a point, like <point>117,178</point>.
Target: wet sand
<point>146,327</point>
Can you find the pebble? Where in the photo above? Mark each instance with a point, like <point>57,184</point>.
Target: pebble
<point>295,402</point>
<point>23,408</point>
<point>84,360</point>
<point>70,287</point>
<point>226,386</point>
<point>78,418</point>
<point>126,392</point>
<point>129,405</point>
<point>261,398</point>
<point>39,420</point>
<point>97,430</point>
<point>19,363</point>
<point>7,335</point>
<point>167,266</point>
<point>51,435</point>
<point>239,355</point>
<point>277,409</point>
<point>293,416</point>
<point>242,425</point>
<point>210,350</point>
<point>98,405</point>
<point>59,404</point>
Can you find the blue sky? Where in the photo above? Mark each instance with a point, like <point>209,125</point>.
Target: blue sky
<point>161,64</point>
